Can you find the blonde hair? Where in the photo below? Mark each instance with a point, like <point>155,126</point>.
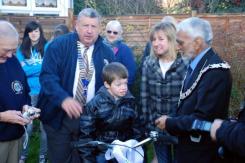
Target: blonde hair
<point>170,32</point>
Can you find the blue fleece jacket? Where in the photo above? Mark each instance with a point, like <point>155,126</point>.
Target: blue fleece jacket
<point>58,72</point>
<point>125,56</point>
<point>32,67</point>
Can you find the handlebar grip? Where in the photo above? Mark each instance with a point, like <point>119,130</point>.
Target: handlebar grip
<point>98,144</point>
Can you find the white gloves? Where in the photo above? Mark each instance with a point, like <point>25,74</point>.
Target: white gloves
<point>124,153</point>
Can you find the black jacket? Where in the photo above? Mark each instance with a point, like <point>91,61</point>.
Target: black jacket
<point>207,101</point>
<point>231,136</point>
<point>106,120</point>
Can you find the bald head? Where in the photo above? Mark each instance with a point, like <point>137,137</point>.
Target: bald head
<point>9,38</point>
<point>7,30</point>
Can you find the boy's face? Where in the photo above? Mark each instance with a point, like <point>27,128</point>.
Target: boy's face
<point>118,87</point>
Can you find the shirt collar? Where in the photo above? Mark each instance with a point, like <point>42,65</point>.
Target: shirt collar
<point>84,47</point>
<point>197,59</point>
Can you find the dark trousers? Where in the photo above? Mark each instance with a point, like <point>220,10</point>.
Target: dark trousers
<point>59,142</point>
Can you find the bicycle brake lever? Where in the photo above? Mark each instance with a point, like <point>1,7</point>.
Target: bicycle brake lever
<point>153,136</point>
<point>142,142</point>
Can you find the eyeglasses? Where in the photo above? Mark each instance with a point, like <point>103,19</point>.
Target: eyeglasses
<point>114,32</point>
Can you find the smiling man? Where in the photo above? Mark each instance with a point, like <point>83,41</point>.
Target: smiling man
<point>70,76</point>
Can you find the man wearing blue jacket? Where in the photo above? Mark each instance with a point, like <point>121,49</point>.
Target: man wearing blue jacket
<point>14,95</point>
<point>70,76</point>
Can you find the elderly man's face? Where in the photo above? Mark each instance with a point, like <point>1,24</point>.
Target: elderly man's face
<point>186,44</point>
<point>88,30</point>
<point>8,47</point>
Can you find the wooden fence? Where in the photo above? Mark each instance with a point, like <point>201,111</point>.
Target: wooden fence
<point>229,30</point>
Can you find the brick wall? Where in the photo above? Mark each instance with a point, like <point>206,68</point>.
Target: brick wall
<point>48,23</point>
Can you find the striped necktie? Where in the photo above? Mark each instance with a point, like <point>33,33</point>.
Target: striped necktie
<point>81,92</point>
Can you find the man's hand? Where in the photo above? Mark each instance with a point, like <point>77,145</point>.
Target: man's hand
<point>161,122</point>
<point>32,109</point>
<point>13,116</point>
<point>72,107</point>
<point>215,126</point>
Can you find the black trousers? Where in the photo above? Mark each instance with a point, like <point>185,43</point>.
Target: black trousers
<point>59,142</point>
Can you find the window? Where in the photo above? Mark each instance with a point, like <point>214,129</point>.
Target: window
<point>46,3</point>
<point>36,7</point>
<point>14,3</point>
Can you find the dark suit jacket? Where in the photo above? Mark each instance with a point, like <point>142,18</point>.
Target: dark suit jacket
<point>209,100</point>
<point>231,136</point>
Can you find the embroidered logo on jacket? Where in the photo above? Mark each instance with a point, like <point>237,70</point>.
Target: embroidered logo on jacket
<point>17,87</point>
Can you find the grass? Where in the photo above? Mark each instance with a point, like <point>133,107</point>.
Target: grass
<point>33,156</point>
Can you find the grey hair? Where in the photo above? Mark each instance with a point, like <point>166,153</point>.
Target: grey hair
<point>115,24</point>
<point>197,27</point>
<point>8,30</point>
<point>170,19</point>
<point>89,12</point>
<point>60,29</point>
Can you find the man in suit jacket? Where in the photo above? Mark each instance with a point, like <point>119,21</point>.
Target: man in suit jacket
<point>71,63</point>
<point>204,95</point>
